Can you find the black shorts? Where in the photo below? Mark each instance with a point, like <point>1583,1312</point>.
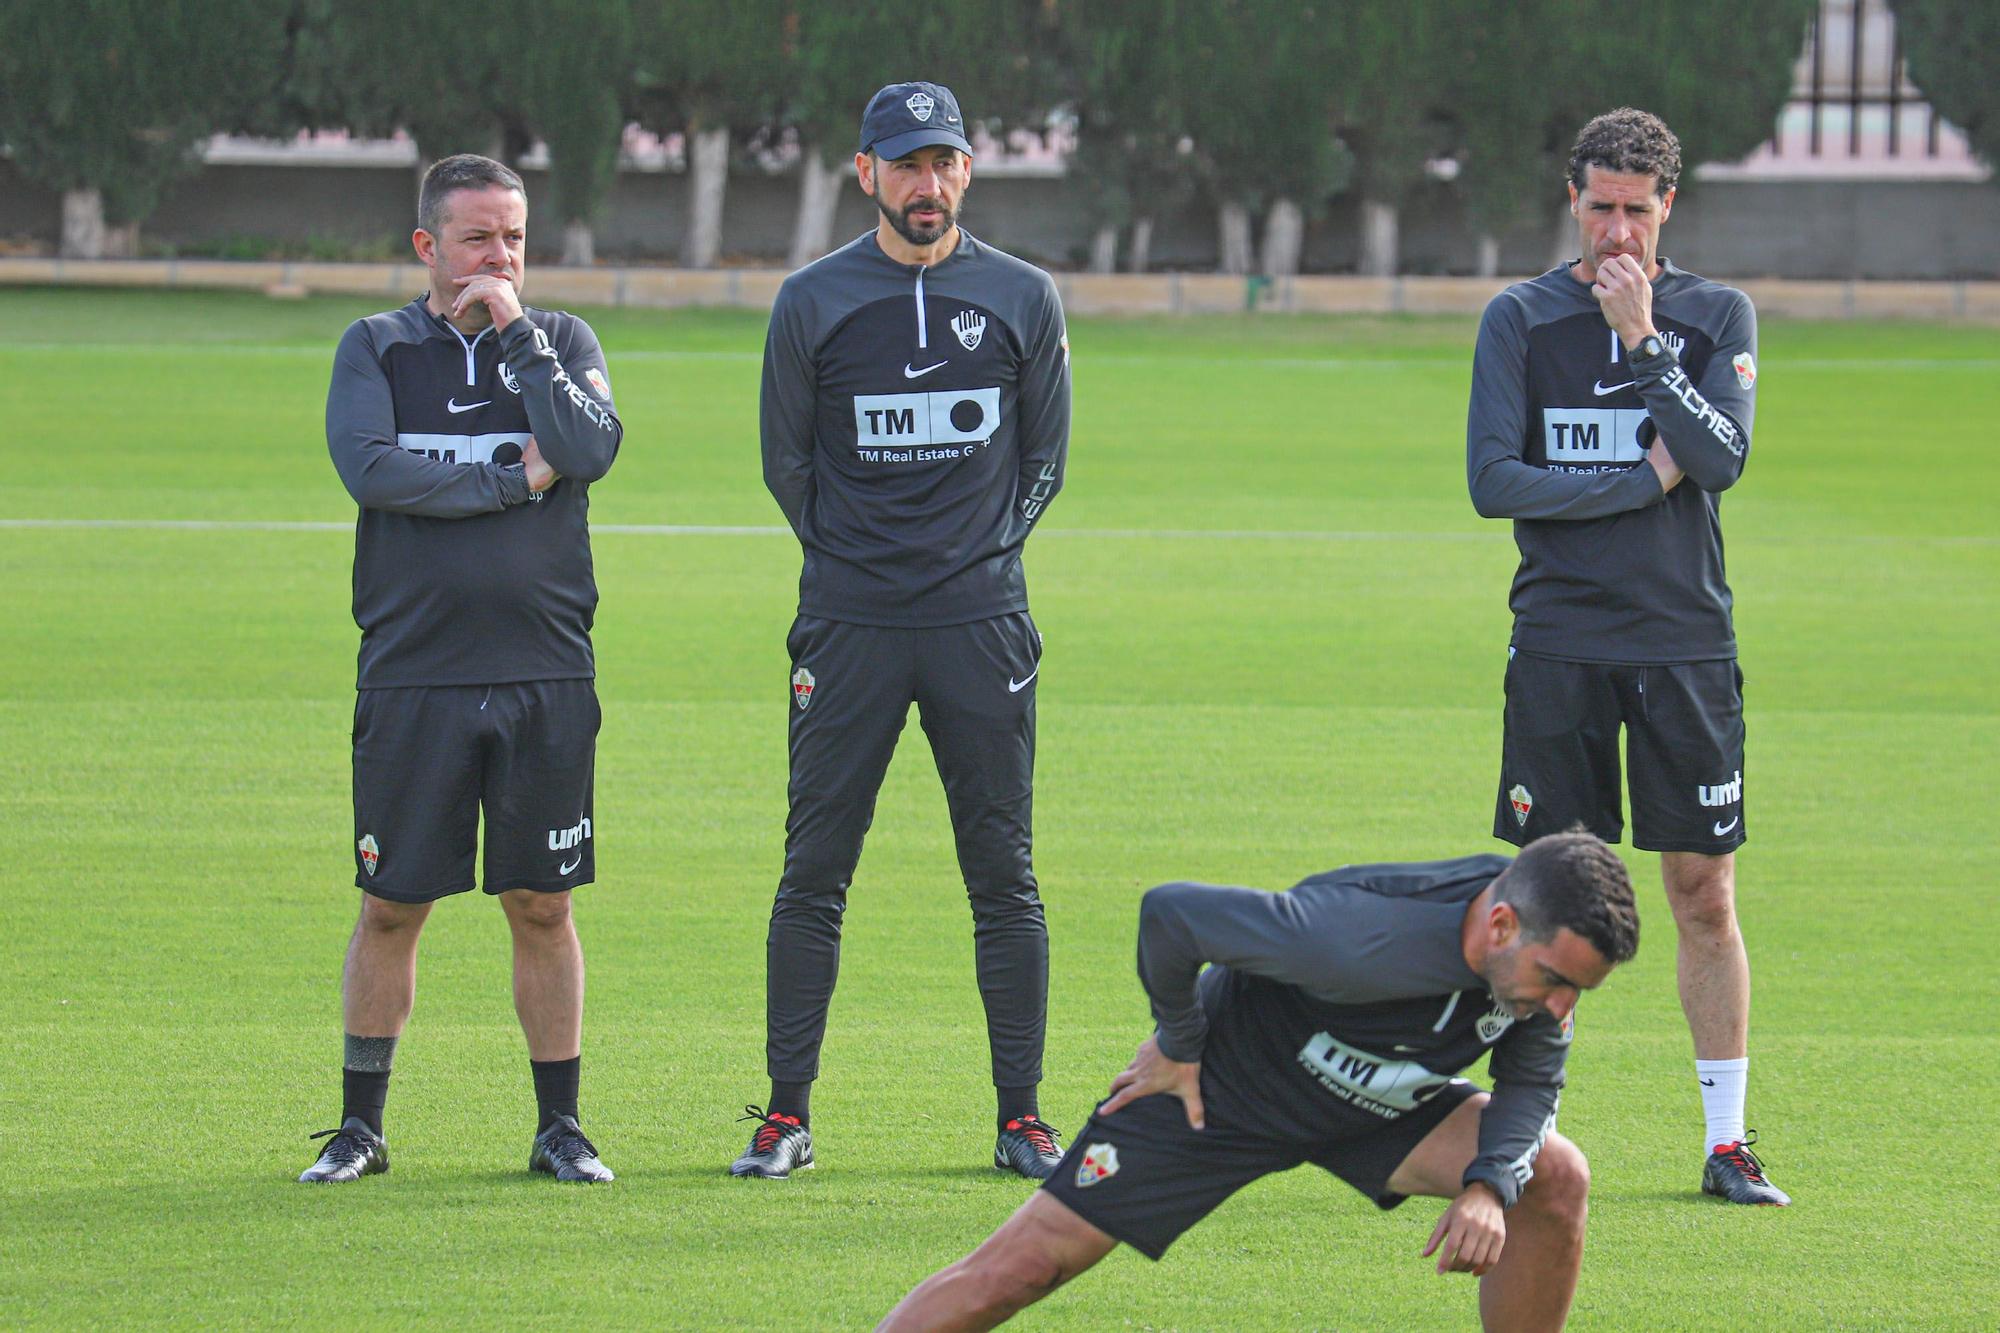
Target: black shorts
<point>1143,1176</point>
<point>428,759</point>
<point>1683,740</point>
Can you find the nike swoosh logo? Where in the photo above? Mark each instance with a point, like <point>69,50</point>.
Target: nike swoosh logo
<point>456,406</point>
<point>910,373</point>
<point>1016,686</point>
<point>1722,828</point>
<point>1404,1050</point>
<point>1601,388</point>
<point>571,866</point>
<point>1708,1083</point>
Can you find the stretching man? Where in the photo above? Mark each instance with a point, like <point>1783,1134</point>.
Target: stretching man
<point>1329,1028</point>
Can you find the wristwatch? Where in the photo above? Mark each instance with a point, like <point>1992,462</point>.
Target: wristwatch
<point>1651,356</point>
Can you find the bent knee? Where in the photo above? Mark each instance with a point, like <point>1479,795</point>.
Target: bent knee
<point>1013,1282</point>
<point>1561,1182</point>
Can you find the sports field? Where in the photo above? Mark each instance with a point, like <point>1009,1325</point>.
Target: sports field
<point>1275,633</point>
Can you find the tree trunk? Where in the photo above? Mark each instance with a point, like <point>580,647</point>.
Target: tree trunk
<point>1284,239</point>
<point>708,182</point>
<point>1378,239</point>
<point>1142,246</point>
<point>1566,242</point>
<point>424,162</point>
<point>579,244</point>
<point>819,200</point>
<point>1104,250</point>
<point>1233,238</point>
<point>83,224</point>
<point>1489,256</point>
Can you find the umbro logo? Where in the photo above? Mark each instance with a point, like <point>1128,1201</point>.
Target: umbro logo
<point>912,373</point>
<point>1601,388</point>
<point>566,839</point>
<point>455,406</point>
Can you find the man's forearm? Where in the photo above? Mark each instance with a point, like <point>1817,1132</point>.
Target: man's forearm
<point>1707,443</point>
<point>387,477</point>
<point>1509,488</point>
<point>578,433</point>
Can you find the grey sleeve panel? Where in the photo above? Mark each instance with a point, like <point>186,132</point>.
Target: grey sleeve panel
<point>577,429</point>
<point>1324,936</point>
<point>1706,426</point>
<point>1044,410</point>
<point>1503,485</point>
<point>1527,1071</point>
<point>381,474</point>
<point>785,407</point>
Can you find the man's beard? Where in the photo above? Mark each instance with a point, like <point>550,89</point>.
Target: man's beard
<point>909,231</point>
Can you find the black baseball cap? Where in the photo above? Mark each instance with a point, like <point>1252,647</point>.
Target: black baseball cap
<point>907,116</point>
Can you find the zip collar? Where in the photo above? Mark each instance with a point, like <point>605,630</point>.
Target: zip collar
<point>916,272</point>
<point>469,344</point>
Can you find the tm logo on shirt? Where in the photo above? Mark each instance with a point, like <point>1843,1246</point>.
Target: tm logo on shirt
<point>908,427</point>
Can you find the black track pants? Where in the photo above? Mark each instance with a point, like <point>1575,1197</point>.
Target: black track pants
<point>852,686</point>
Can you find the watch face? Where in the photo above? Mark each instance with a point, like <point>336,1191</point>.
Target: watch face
<point>1653,347</point>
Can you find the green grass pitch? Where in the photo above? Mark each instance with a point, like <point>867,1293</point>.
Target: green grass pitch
<point>1275,634</point>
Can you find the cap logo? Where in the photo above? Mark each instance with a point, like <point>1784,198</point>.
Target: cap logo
<point>921,105</point>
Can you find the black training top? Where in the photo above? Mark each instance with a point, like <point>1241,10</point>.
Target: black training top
<point>915,425</point>
<point>461,577</point>
<point>1344,1002</point>
<point>1556,439</point>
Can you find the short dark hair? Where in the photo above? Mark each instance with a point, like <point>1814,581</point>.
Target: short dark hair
<point>1572,879</point>
<point>460,171</point>
<point>1629,141</point>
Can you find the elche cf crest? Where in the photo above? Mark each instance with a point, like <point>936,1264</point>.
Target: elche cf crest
<point>371,853</point>
<point>970,327</point>
<point>1745,367</point>
<point>921,105</point>
<point>1523,801</point>
<point>1100,1160</point>
<point>802,687</point>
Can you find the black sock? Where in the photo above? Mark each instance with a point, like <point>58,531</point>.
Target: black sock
<point>365,1078</point>
<point>362,1095</point>
<point>555,1088</point>
<point>791,1099</point>
<point>1018,1104</point>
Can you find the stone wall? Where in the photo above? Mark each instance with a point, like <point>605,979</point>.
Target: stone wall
<point>1921,230</point>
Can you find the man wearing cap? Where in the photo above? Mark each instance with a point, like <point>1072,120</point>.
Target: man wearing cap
<point>915,422</point>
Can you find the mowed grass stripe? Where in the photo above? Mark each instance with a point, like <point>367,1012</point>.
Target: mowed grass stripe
<point>756,530</point>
